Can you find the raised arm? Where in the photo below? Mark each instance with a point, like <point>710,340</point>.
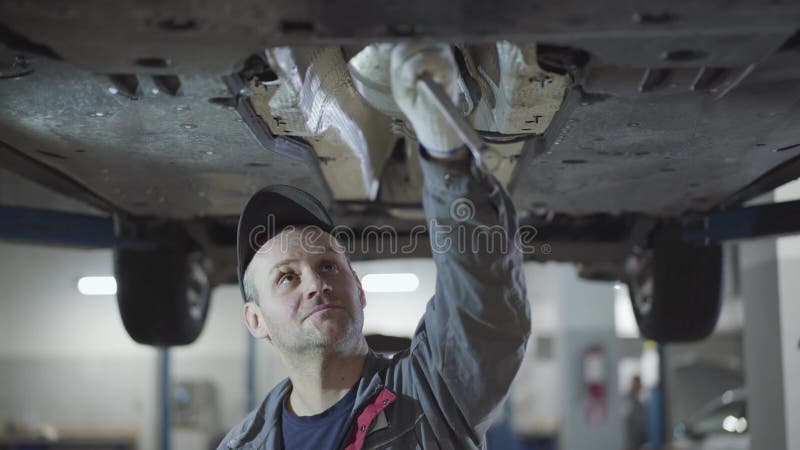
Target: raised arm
<point>476,326</point>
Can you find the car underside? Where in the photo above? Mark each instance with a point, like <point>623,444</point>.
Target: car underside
<point>614,125</point>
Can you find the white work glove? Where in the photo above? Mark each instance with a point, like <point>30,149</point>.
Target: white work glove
<point>409,61</point>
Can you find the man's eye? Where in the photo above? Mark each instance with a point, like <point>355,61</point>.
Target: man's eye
<point>286,278</point>
<point>328,267</point>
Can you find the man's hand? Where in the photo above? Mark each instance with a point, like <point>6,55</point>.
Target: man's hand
<point>409,62</point>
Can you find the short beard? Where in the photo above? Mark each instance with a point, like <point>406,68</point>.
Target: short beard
<point>318,345</point>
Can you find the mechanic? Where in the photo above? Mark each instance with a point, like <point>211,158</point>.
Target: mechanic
<point>302,295</point>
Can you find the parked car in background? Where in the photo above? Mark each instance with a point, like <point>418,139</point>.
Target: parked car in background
<point>719,425</point>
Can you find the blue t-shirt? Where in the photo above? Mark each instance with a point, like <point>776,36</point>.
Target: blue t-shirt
<point>319,432</point>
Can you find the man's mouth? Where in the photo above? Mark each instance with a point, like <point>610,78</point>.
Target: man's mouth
<point>322,308</point>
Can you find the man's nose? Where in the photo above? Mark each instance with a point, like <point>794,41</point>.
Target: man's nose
<point>316,285</point>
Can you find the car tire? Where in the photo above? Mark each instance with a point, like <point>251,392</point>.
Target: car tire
<point>163,294</point>
<point>676,289</point>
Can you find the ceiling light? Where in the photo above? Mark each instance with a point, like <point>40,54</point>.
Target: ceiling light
<point>741,425</point>
<point>730,423</point>
<point>390,282</point>
<point>97,285</point>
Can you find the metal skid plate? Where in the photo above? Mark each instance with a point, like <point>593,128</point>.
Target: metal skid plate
<point>523,98</point>
<point>623,145</point>
<point>314,99</point>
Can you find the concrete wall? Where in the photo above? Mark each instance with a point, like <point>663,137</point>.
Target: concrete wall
<point>65,358</point>
<point>536,404</point>
<point>788,250</point>
<point>587,320</point>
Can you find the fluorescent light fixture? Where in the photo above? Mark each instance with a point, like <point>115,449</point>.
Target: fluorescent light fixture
<point>390,282</point>
<point>624,317</point>
<point>97,285</point>
<point>741,425</point>
<point>730,423</point>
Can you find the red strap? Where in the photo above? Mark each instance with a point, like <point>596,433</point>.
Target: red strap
<point>367,416</point>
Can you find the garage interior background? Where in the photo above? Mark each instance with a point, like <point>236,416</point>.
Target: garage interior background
<point>67,367</point>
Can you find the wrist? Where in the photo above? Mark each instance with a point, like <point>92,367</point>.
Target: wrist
<point>459,153</point>
<point>439,140</point>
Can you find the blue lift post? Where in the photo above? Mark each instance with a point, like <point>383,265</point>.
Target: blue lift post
<point>166,397</point>
<point>656,419</point>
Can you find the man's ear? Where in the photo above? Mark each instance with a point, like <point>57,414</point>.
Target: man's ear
<point>254,319</point>
<point>361,294</point>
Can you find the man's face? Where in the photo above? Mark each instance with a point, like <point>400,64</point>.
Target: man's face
<point>310,298</point>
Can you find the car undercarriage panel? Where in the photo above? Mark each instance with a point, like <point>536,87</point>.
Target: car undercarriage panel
<point>151,153</point>
<point>665,151</point>
<point>668,108</point>
<point>197,36</point>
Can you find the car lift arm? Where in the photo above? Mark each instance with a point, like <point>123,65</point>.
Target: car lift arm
<point>771,219</point>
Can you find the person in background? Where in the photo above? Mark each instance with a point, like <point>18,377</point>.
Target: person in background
<point>635,419</point>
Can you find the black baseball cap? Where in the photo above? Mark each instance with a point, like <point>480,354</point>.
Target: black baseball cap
<point>267,213</point>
